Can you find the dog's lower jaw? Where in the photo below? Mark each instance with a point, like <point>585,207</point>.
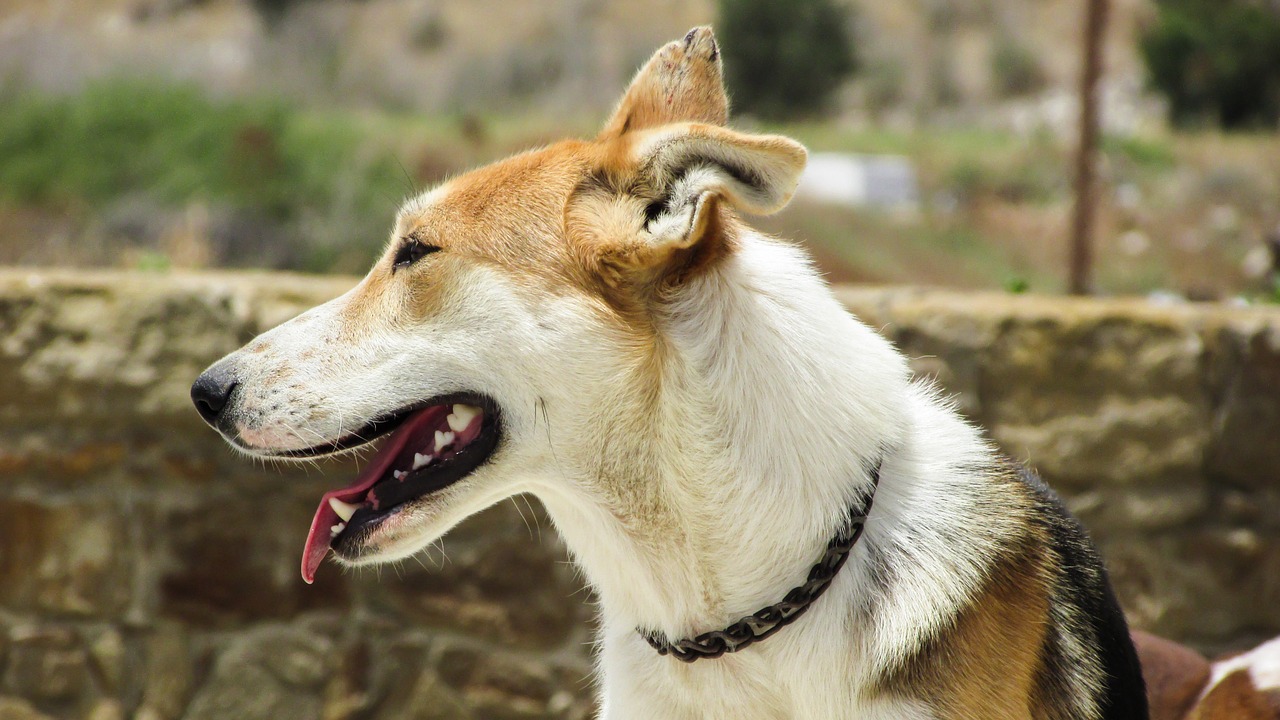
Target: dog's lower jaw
<point>421,522</point>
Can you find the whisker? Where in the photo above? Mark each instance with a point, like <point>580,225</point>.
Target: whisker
<point>537,522</point>
<point>527,526</point>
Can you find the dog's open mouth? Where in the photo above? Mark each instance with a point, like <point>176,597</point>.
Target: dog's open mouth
<point>427,450</point>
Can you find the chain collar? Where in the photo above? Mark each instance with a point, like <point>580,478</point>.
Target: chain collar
<point>767,621</point>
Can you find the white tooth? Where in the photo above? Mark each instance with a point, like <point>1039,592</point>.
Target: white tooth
<point>462,416</point>
<point>443,439</point>
<point>397,474</point>
<point>344,510</point>
<point>421,461</point>
<point>333,531</point>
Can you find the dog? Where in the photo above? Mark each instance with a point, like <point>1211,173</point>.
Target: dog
<point>778,521</point>
<point>1183,685</point>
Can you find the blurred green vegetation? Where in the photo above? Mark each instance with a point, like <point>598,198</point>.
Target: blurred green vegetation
<point>1147,153</point>
<point>173,144</point>
<point>1217,61</point>
<point>1015,68</point>
<point>136,175</point>
<point>785,59</point>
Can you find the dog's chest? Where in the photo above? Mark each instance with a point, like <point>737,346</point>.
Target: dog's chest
<point>641,684</point>
<point>661,687</point>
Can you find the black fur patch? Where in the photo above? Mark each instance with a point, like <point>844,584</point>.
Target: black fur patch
<point>1086,589</point>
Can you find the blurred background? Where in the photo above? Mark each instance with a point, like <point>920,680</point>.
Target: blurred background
<point>155,134</point>
<point>973,161</point>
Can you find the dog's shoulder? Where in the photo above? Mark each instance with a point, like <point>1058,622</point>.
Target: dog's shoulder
<point>1042,633</point>
<point>1087,608</point>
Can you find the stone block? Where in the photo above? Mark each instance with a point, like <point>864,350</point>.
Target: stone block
<point>1253,508</point>
<point>1108,511</point>
<point>1068,363</point>
<point>273,673</point>
<point>106,709</point>
<point>226,565</point>
<point>508,686</point>
<point>428,696</point>
<point>1116,442</point>
<point>348,692</point>
<point>1202,586</point>
<point>64,557</point>
<point>46,662</point>
<point>109,656</point>
<point>168,673</point>
<point>395,678</point>
<point>1245,450</point>
<point>947,347</point>
<point>13,708</point>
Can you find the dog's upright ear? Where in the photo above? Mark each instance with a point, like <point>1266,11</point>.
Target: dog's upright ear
<point>655,207</point>
<point>682,82</point>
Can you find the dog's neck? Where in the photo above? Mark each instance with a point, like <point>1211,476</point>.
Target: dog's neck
<point>768,406</point>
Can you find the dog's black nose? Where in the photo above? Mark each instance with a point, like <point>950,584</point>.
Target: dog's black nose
<point>212,391</point>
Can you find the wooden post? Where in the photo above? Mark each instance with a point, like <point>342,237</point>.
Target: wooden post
<point>1086,201</point>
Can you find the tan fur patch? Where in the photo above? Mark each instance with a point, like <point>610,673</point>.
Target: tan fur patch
<point>989,662</point>
<point>508,215</point>
<point>984,665</point>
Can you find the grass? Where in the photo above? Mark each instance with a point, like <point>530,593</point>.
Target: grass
<point>1148,153</point>
<point>172,145</point>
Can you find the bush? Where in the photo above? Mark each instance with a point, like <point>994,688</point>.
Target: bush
<point>1014,69</point>
<point>121,137</point>
<point>1217,61</point>
<point>784,59</point>
<point>273,11</point>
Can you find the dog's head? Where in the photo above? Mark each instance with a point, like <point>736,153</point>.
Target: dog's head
<point>509,318</point>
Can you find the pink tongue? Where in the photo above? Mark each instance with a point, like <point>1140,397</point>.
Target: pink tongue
<point>318,538</point>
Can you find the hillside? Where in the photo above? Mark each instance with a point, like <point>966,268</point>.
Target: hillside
<point>997,61</point>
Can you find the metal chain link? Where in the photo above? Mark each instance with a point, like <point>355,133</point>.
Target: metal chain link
<point>767,621</point>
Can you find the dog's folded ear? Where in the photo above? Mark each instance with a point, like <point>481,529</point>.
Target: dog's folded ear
<point>691,168</point>
<point>655,211</point>
<point>681,163</point>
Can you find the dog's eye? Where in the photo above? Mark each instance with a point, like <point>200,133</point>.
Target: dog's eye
<point>410,252</point>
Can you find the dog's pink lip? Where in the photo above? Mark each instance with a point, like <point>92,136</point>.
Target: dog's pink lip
<point>318,537</point>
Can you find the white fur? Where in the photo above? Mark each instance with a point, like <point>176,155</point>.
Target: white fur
<point>780,399</point>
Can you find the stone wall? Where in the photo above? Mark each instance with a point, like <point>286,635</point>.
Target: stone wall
<point>1157,423</point>
<point>148,572</point>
